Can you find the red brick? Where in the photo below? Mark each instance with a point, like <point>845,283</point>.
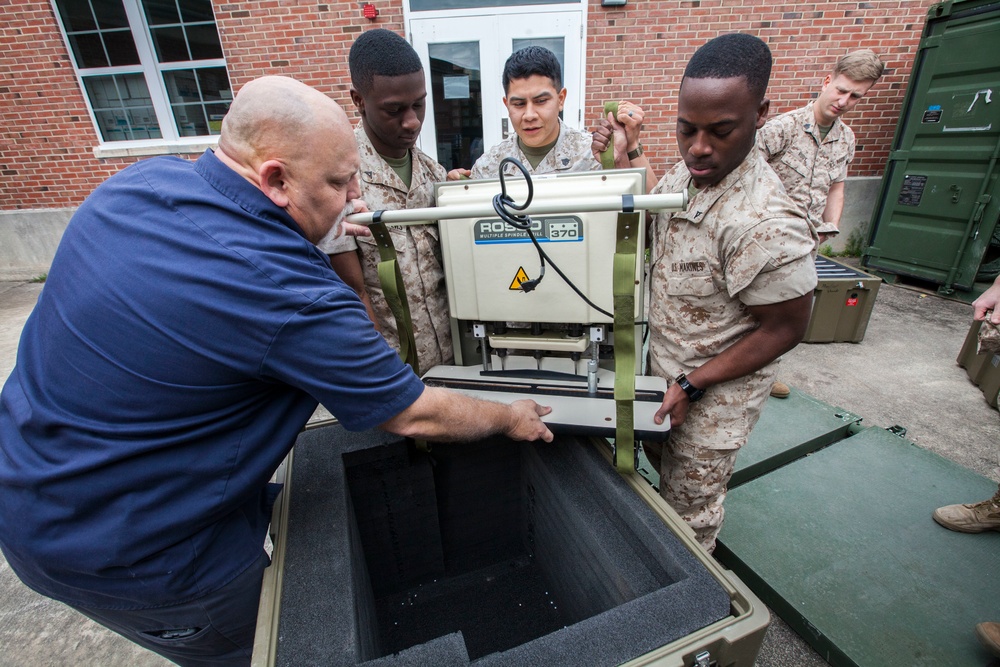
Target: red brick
<point>46,134</point>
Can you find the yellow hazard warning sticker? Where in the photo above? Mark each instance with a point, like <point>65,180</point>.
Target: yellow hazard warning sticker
<point>521,277</point>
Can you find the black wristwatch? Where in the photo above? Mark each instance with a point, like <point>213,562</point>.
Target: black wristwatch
<point>693,393</point>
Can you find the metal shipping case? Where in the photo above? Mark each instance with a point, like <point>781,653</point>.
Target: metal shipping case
<point>936,214</point>
<point>843,305</point>
<point>387,554</point>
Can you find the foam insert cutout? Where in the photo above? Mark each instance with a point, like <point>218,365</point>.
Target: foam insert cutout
<point>486,553</point>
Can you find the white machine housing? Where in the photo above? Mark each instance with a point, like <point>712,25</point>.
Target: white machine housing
<point>485,259</point>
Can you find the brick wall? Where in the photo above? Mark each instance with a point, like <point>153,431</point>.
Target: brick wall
<point>47,138</point>
<point>640,51</point>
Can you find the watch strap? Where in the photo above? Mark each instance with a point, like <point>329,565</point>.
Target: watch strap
<point>693,392</point>
<point>632,155</point>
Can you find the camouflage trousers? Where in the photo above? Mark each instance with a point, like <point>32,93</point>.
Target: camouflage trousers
<point>695,464</point>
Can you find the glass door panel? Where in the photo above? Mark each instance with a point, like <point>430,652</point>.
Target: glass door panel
<point>457,102</point>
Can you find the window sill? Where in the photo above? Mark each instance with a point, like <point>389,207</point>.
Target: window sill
<point>145,150</point>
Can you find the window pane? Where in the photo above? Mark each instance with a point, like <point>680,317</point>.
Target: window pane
<point>456,86</point>
<point>121,48</point>
<point>204,42</point>
<point>122,106</point>
<point>159,12</point>
<point>190,118</point>
<point>170,45</point>
<point>193,11</point>
<point>189,89</point>
<point>76,15</point>
<point>143,122</point>
<point>88,49</point>
<point>111,45</point>
<point>110,13</point>
<point>215,114</point>
<point>182,86</point>
<point>214,85</point>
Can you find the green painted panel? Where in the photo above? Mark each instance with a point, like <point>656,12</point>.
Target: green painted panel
<point>940,194</point>
<point>841,545</point>
<point>788,429</point>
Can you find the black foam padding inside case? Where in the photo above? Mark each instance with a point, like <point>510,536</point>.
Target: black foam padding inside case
<point>485,553</point>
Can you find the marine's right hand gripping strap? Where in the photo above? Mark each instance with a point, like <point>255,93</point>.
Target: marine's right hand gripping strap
<point>395,293</point>
<point>624,307</point>
<point>608,154</point>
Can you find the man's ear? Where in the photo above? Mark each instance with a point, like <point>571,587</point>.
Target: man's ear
<point>274,182</point>
<point>359,101</point>
<point>562,98</point>
<point>762,110</point>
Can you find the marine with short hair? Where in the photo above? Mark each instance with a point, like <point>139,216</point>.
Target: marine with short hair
<point>731,279</point>
<point>534,95</point>
<point>810,147</point>
<point>388,89</point>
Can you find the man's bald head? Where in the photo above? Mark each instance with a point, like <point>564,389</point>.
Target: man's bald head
<point>277,117</point>
<point>296,146</point>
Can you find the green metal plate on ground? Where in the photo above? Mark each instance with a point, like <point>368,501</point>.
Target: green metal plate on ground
<point>842,546</point>
<point>788,429</point>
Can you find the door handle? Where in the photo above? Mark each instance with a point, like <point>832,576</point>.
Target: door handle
<point>504,129</point>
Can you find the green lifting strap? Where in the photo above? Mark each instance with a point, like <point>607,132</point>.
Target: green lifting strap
<point>395,293</point>
<point>624,307</point>
<point>608,154</point>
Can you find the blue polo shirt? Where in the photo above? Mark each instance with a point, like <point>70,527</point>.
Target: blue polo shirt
<point>184,335</point>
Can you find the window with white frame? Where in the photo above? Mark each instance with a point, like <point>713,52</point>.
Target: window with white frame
<point>149,69</point>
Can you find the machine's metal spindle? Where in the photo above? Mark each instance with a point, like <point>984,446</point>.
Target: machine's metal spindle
<point>592,368</point>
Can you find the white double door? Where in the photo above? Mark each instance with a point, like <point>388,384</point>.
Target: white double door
<point>463,62</point>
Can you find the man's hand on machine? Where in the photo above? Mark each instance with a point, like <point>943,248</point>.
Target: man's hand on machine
<point>459,174</point>
<point>526,421</point>
<point>675,406</point>
<point>349,228</point>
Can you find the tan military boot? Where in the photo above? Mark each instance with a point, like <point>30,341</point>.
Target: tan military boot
<point>989,635</point>
<point>974,518</point>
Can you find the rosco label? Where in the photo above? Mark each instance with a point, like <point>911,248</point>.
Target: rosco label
<point>546,230</point>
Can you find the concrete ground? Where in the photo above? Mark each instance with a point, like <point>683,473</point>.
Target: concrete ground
<point>904,373</point>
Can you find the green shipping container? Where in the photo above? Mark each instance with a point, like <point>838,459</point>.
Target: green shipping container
<point>937,211</point>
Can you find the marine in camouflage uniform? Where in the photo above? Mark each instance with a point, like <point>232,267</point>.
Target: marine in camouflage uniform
<point>807,163</point>
<point>572,152</point>
<point>418,252</point>
<point>741,242</point>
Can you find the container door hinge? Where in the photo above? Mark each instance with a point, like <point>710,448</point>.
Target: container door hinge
<point>977,214</point>
<point>980,206</point>
<point>703,659</point>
